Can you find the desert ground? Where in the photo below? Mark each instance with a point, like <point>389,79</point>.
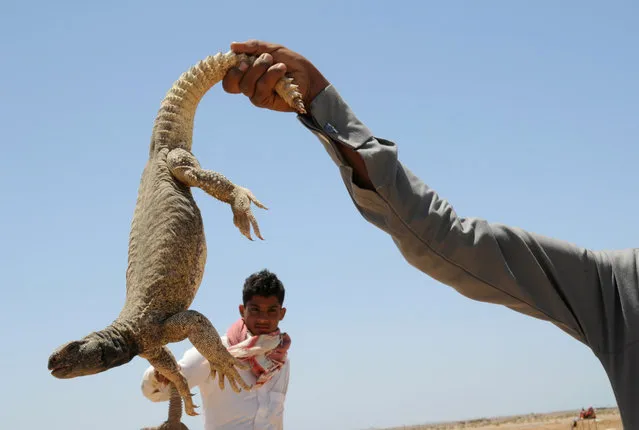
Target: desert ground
<point>607,419</point>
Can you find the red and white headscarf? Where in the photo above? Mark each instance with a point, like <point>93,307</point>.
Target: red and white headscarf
<point>266,353</point>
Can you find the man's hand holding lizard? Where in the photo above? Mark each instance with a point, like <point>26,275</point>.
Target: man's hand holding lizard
<point>257,82</point>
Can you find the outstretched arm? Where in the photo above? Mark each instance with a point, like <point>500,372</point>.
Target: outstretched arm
<point>586,293</point>
<point>593,296</point>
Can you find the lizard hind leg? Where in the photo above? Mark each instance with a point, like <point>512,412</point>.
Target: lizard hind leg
<point>185,168</point>
<point>164,362</point>
<point>204,337</point>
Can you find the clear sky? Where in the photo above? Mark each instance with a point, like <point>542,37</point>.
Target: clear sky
<point>523,113</point>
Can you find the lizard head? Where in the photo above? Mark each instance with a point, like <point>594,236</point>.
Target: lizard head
<point>77,358</point>
<point>92,354</point>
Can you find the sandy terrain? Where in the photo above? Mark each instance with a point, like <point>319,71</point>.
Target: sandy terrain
<point>607,419</point>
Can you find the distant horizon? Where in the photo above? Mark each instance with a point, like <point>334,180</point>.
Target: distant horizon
<point>551,412</point>
<point>607,409</point>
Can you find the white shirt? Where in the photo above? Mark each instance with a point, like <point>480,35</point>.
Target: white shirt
<point>259,409</point>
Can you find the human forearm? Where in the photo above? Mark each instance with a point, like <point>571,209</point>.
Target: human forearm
<point>542,277</point>
<point>355,161</point>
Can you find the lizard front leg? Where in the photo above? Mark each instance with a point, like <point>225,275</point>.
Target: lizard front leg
<point>206,340</point>
<point>164,362</point>
<point>185,167</point>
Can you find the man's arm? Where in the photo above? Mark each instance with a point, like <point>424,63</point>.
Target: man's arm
<point>193,366</point>
<point>270,414</point>
<point>594,296</point>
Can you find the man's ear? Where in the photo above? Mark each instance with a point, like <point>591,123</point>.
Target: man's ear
<point>241,309</point>
<point>283,312</point>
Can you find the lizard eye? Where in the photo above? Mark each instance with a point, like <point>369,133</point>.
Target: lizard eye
<point>72,347</point>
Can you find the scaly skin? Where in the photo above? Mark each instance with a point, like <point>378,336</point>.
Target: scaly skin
<point>175,413</point>
<point>167,248</point>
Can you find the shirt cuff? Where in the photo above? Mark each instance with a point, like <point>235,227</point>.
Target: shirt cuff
<point>334,123</point>
<point>330,115</point>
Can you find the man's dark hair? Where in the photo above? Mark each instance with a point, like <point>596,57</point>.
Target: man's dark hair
<point>263,283</point>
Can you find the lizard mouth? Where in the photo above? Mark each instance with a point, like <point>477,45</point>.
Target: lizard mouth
<point>60,371</point>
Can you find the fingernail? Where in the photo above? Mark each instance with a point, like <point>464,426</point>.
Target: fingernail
<point>243,66</point>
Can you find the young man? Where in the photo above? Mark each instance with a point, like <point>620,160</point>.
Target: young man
<point>592,295</point>
<point>257,330</point>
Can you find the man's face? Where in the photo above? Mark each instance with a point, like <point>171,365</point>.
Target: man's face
<point>262,314</point>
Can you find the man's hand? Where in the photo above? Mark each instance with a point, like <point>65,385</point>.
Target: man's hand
<point>257,82</point>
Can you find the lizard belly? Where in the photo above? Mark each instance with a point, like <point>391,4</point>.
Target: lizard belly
<point>167,247</point>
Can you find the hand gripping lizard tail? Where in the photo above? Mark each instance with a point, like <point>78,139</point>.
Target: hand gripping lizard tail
<point>173,134</point>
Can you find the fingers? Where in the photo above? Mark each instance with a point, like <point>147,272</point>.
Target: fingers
<point>231,81</point>
<point>248,82</point>
<point>238,80</point>
<point>256,82</point>
<point>253,47</point>
<point>264,94</point>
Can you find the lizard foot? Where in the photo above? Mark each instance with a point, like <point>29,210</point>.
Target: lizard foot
<point>164,362</point>
<point>243,217</point>
<point>185,167</point>
<point>189,406</point>
<point>205,338</point>
<point>225,366</point>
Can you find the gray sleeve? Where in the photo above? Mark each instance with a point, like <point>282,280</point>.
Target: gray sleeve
<point>590,295</point>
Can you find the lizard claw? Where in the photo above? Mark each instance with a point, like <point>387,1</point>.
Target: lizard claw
<point>190,409</point>
<point>243,217</point>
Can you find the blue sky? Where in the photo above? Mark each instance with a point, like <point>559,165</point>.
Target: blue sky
<point>523,113</point>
